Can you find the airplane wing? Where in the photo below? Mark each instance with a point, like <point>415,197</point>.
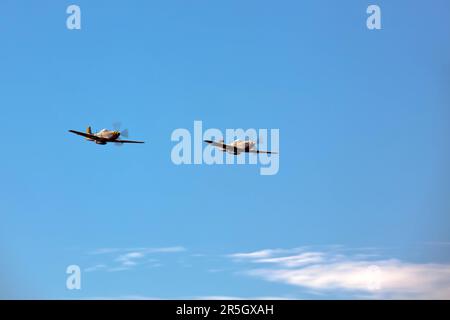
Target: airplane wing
<point>259,151</point>
<point>87,135</point>
<point>217,144</point>
<point>127,141</point>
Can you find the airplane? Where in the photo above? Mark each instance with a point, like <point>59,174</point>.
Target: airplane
<point>238,146</point>
<point>104,136</point>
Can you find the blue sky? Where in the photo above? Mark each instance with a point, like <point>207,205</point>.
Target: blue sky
<point>364,126</point>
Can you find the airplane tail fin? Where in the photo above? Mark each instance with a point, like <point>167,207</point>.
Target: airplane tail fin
<point>88,131</point>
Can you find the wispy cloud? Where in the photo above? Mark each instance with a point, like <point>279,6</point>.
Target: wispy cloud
<point>326,271</point>
<point>253,255</point>
<point>265,253</point>
<point>295,260</point>
<point>356,275</point>
<point>95,268</point>
<point>122,259</point>
<point>130,259</point>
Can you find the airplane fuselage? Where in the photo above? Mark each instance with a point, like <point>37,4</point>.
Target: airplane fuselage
<point>239,146</point>
<point>105,136</point>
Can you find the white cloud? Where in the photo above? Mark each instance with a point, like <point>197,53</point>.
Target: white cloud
<point>295,260</point>
<point>251,255</point>
<point>357,275</point>
<point>266,253</point>
<point>126,259</point>
<point>129,259</point>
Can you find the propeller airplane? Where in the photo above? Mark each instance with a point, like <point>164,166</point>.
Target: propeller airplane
<point>105,136</point>
<point>238,146</point>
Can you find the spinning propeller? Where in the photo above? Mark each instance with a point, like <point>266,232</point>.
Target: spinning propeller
<point>123,133</point>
